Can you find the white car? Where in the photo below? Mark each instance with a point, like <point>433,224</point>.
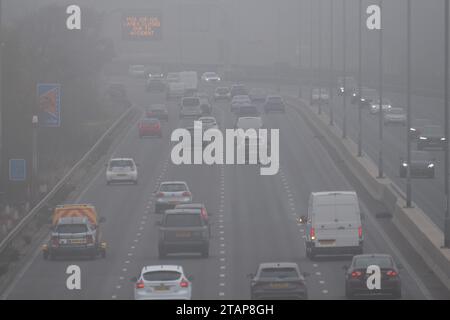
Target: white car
<point>137,70</point>
<point>163,282</point>
<point>249,123</point>
<point>208,123</point>
<point>395,116</point>
<point>375,107</point>
<point>190,107</point>
<point>239,100</point>
<point>170,194</point>
<point>121,170</point>
<point>210,77</point>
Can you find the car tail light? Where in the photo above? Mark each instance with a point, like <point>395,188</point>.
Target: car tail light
<point>312,233</point>
<point>186,194</point>
<point>356,274</point>
<point>55,241</point>
<point>184,283</point>
<point>89,239</point>
<point>391,273</point>
<point>160,195</point>
<point>140,284</point>
<point>204,214</point>
<point>360,232</point>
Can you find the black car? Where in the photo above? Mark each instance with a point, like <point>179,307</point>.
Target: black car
<point>278,281</point>
<point>431,137</point>
<point>183,230</point>
<point>158,111</point>
<point>274,103</point>
<point>366,98</point>
<point>422,165</point>
<point>238,90</point>
<point>155,82</point>
<point>356,276</point>
<point>247,110</point>
<point>417,126</point>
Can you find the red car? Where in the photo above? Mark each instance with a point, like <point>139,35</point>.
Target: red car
<point>150,128</point>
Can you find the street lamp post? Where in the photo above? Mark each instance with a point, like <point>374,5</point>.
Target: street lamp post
<point>408,104</point>
<point>319,13</point>
<point>380,118</point>
<point>311,64</point>
<point>359,78</point>
<point>34,159</point>
<point>330,100</point>
<point>446,82</point>
<point>344,48</point>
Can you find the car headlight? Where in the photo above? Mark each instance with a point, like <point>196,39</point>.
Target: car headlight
<point>443,139</point>
<point>412,129</point>
<point>373,106</point>
<point>431,165</point>
<point>218,79</point>
<point>363,100</point>
<point>404,164</point>
<point>423,138</point>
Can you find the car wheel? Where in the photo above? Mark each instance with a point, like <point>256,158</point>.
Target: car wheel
<point>205,252</point>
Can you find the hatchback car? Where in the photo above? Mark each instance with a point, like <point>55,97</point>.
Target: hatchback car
<point>356,276</point>
<point>394,116</point>
<point>149,127</point>
<point>170,194</point>
<point>279,280</point>
<point>190,107</point>
<point>121,170</point>
<point>422,165</point>
<point>222,93</point>
<point>164,282</point>
<point>239,100</point>
<point>158,111</point>
<point>274,104</point>
<point>431,137</point>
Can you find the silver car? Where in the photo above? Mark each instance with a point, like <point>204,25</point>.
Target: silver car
<point>170,194</point>
<point>164,282</point>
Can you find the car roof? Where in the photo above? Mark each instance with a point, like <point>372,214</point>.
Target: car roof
<point>278,265</point>
<point>162,268</point>
<point>182,211</point>
<point>121,159</point>
<point>173,182</point>
<point>190,205</point>
<point>373,255</point>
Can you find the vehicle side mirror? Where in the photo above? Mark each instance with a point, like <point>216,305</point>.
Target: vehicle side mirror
<point>190,277</point>
<point>102,220</point>
<point>400,266</point>
<point>345,268</point>
<point>133,279</point>
<point>306,274</point>
<point>250,275</point>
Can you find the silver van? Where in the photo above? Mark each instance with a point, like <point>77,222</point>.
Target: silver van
<point>333,224</point>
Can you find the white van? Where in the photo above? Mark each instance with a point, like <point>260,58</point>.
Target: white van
<point>333,224</point>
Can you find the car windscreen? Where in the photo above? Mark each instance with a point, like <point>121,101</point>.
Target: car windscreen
<point>161,276</point>
<point>172,187</point>
<point>121,164</point>
<point>279,273</point>
<point>383,262</point>
<point>71,228</point>
<point>183,220</point>
<point>191,102</point>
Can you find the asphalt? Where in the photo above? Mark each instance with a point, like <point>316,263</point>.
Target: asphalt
<point>254,220</point>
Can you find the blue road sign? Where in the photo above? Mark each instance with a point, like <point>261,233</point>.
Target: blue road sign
<point>49,100</point>
<point>17,170</point>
